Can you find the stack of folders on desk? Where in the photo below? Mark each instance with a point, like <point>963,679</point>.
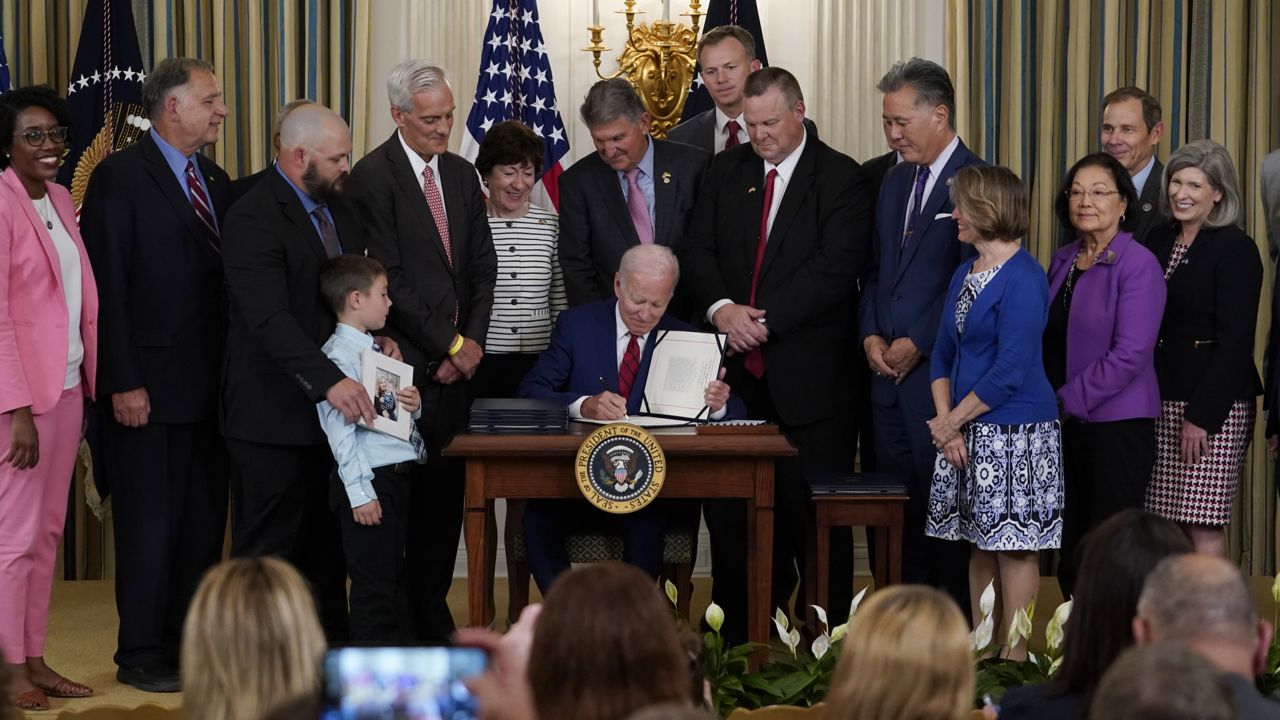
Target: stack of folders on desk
<point>518,416</point>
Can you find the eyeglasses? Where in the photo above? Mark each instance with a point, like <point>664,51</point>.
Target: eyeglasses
<point>36,137</point>
<point>1094,195</point>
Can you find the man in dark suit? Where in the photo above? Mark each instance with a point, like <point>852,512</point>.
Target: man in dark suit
<point>915,254</point>
<point>608,341</point>
<point>634,190</point>
<point>1131,132</point>
<point>242,185</point>
<point>427,226</point>
<point>151,220</point>
<point>726,56</point>
<point>779,240</point>
<point>277,239</point>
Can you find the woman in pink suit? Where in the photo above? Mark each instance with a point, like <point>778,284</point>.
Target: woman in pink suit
<point>48,353</point>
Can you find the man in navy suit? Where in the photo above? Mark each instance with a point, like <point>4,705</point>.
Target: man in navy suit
<point>914,256</point>
<point>607,343</point>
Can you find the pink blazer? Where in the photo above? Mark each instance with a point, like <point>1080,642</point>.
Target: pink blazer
<point>33,308</point>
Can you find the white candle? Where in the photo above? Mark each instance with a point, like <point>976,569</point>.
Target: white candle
<point>666,10</point>
<point>595,13</point>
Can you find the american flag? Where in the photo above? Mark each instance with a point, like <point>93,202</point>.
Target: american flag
<point>515,83</point>
<point>4,69</point>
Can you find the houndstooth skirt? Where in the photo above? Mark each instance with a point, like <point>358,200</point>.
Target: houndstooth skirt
<point>1199,494</point>
<point>1010,495</point>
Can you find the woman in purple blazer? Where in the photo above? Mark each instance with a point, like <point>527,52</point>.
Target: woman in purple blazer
<point>1107,298</point>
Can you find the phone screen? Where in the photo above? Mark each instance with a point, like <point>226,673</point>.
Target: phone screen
<point>404,683</point>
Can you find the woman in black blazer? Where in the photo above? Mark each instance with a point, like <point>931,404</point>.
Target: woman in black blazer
<point>1204,360</point>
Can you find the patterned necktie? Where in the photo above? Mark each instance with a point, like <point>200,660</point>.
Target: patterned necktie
<point>917,204</point>
<point>638,207</point>
<point>731,128</point>
<point>200,203</point>
<point>436,203</point>
<point>629,367</point>
<point>415,438</point>
<point>328,236</point>
<point>754,359</point>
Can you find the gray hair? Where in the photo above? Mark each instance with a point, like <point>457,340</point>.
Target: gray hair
<point>410,78</point>
<point>931,82</point>
<point>1215,162</point>
<point>656,261</point>
<point>609,100</point>
<point>168,74</point>
<point>1198,597</point>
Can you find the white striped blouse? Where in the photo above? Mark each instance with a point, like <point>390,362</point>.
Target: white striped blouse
<point>529,293</point>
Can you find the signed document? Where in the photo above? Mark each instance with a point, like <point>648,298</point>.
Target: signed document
<point>683,364</point>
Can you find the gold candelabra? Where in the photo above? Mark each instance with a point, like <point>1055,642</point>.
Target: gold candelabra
<point>658,60</point>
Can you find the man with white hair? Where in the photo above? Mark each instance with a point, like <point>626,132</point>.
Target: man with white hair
<point>1204,603</point>
<point>428,226</point>
<point>276,239</point>
<point>572,369</point>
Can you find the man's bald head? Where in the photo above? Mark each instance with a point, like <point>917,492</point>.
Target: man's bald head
<point>315,150</point>
<point>1198,598</point>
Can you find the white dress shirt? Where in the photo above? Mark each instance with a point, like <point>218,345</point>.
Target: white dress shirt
<point>722,133</point>
<point>418,164</point>
<point>935,170</point>
<point>72,290</point>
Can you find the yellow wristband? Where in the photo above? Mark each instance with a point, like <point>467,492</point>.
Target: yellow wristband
<point>456,346</point>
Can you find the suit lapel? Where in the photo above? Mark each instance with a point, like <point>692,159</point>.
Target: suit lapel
<point>219,191</point>
<point>417,201</point>
<point>611,194</point>
<point>707,128</point>
<point>173,192</point>
<point>666,184</point>
<point>939,198</point>
<point>607,345</point>
<point>792,198</point>
<point>292,208</point>
<point>751,173</point>
<point>23,200</point>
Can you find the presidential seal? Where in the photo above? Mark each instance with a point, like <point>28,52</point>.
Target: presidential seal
<point>620,468</point>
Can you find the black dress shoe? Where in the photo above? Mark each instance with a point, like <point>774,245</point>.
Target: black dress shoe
<point>155,681</point>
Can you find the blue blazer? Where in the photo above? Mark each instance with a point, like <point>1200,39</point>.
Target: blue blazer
<point>584,349</point>
<point>903,292</point>
<point>999,356</point>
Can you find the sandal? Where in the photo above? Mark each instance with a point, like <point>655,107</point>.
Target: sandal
<point>32,699</point>
<point>65,688</point>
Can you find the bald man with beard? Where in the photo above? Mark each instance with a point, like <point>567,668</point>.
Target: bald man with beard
<point>276,239</point>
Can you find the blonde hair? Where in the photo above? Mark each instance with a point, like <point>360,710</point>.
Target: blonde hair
<point>906,656</point>
<point>251,641</point>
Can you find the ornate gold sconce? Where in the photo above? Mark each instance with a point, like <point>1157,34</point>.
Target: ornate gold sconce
<point>658,60</point>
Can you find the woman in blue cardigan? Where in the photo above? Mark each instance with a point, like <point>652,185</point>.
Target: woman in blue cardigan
<point>997,482</point>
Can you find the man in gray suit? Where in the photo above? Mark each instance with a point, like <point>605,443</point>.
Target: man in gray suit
<point>1131,132</point>
<point>634,190</point>
<point>726,56</point>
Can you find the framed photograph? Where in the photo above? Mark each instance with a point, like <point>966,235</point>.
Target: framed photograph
<point>383,376</point>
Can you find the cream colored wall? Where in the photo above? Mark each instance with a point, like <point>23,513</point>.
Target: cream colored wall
<point>836,48</point>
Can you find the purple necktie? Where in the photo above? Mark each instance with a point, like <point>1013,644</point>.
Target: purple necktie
<point>922,177</point>
<point>638,208</point>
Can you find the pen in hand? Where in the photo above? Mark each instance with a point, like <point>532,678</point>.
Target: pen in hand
<point>605,385</point>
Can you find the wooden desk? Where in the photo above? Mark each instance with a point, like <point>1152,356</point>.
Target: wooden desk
<point>720,465</point>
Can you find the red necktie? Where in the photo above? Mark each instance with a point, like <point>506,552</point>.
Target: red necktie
<point>436,203</point>
<point>731,128</point>
<point>629,367</point>
<point>200,203</point>
<point>754,359</point>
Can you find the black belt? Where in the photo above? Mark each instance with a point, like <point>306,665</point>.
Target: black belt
<point>1180,343</point>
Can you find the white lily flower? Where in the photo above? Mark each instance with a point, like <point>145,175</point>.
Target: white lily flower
<point>1054,632</point>
<point>857,600</point>
<point>838,634</point>
<point>1020,628</point>
<point>821,645</point>
<point>672,593</point>
<point>780,622</point>
<point>780,619</point>
<point>822,615</point>
<point>987,604</point>
<point>715,616</point>
<point>1053,667</point>
<point>793,641</point>
<point>980,638</point>
<point>1275,589</point>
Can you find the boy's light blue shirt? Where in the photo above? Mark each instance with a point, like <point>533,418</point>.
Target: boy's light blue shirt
<point>356,448</point>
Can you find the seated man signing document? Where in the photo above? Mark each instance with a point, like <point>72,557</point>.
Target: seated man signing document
<point>598,363</point>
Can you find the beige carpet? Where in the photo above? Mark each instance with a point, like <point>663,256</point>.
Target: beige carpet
<point>82,634</point>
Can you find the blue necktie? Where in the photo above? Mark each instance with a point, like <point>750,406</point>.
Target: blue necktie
<point>917,195</point>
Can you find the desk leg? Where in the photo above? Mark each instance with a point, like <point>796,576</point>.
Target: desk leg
<point>479,515</point>
<point>895,552</point>
<point>760,560</point>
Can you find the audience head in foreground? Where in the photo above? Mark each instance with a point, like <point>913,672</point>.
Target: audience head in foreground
<point>1116,558</point>
<point>906,656</point>
<point>606,646</point>
<point>1162,683</point>
<point>252,641</point>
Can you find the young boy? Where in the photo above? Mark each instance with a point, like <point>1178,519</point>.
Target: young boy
<point>372,475</point>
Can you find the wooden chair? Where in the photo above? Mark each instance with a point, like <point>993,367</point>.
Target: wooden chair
<point>780,712</point>
<point>680,550</point>
<point>871,500</point>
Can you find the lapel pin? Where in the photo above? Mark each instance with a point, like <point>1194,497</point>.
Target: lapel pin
<point>1146,207</point>
<point>751,189</point>
<point>949,182</point>
<point>666,178</point>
